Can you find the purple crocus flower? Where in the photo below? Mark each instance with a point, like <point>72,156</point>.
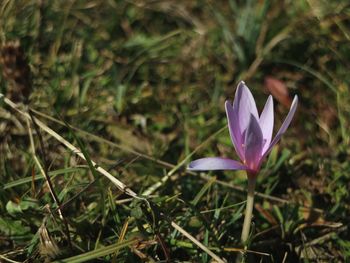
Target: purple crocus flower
<point>250,133</point>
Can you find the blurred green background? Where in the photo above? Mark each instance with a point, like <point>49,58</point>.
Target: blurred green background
<point>146,80</point>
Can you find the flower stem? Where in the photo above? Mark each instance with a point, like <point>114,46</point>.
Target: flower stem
<point>249,208</point>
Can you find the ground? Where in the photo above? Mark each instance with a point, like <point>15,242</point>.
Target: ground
<point>139,88</point>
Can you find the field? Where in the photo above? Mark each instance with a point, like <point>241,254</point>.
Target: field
<point>110,101</point>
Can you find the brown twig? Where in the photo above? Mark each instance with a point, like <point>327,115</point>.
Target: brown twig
<point>43,170</point>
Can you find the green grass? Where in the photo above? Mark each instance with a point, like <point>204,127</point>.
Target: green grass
<point>142,85</point>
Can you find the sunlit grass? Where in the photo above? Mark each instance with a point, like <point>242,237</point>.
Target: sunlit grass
<point>141,86</point>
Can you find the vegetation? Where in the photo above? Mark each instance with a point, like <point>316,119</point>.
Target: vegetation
<point>139,87</point>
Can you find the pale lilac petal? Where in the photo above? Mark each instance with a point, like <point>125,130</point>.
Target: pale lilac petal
<point>253,143</point>
<point>266,122</point>
<point>244,105</point>
<point>215,163</point>
<point>234,130</point>
<point>284,126</point>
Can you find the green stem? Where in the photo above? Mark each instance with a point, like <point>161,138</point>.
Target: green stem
<point>249,208</point>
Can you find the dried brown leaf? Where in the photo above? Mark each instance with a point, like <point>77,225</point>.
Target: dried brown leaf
<point>278,90</point>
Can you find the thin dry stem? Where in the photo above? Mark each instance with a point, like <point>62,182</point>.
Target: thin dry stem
<point>195,241</point>
<point>49,184</point>
<point>8,260</point>
<point>175,168</point>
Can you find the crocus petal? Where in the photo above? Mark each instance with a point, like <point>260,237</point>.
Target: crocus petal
<point>244,105</point>
<point>234,130</point>
<point>215,163</point>
<point>266,122</point>
<point>253,143</point>
<point>284,126</point>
